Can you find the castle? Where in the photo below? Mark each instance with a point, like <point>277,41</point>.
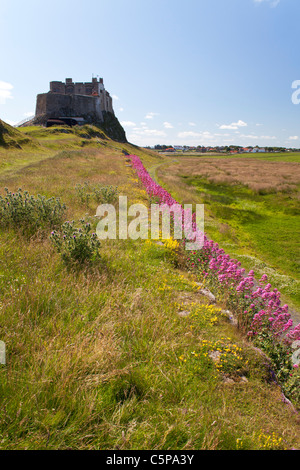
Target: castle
<point>73,103</point>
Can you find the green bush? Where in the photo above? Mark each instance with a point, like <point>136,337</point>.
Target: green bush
<point>105,194</point>
<point>291,386</point>
<point>76,245</point>
<point>100,194</point>
<point>27,213</point>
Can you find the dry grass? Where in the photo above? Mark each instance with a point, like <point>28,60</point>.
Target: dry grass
<point>259,176</point>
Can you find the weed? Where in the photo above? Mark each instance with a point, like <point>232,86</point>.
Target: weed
<point>76,245</point>
<point>99,193</point>
<point>27,213</point>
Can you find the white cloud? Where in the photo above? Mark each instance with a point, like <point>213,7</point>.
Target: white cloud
<point>29,114</point>
<point>115,97</point>
<point>144,136</point>
<point>185,134</point>
<point>250,136</point>
<point>5,91</point>
<point>293,137</point>
<point>195,135</point>
<point>128,123</point>
<point>143,131</point>
<point>192,124</point>
<point>196,138</point>
<point>121,109</point>
<point>272,3</point>
<point>151,115</point>
<point>234,125</point>
<point>168,125</point>
<point>154,132</point>
<point>256,137</point>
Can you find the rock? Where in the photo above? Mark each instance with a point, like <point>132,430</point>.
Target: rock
<point>230,317</point>
<point>184,313</point>
<point>227,312</point>
<point>208,294</point>
<point>228,381</point>
<point>244,379</point>
<point>2,353</point>
<point>215,356</point>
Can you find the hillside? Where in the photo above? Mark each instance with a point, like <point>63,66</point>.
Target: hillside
<point>110,125</point>
<point>117,346</point>
<point>11,137</point>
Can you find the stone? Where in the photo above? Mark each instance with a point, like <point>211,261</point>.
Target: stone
<point>228,381</point>
<point>2,353</point>
<point>184,313</point>
<point>232,319</point>
<point>208,294</point>
<point>244,379</point>
<point>215,355</point>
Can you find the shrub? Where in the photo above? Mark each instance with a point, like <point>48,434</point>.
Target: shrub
<point>100,194</point>
<point>76,245</point>
<point>105,194</point>
<point>175,252</point>
<point>28,213</point>
<point>291,386</point>
<point>83,193</point>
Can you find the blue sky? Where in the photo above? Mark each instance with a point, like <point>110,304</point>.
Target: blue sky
<point>193,72</point>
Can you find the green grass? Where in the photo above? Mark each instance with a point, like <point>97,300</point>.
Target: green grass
<point>102,360</point>
<point>100,357</point>
<point>256,224</point>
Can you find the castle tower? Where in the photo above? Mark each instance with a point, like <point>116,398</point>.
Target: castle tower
<point>87,100</point>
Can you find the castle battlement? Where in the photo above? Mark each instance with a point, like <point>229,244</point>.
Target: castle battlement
<point>86,100</point>
<point>93,88</point>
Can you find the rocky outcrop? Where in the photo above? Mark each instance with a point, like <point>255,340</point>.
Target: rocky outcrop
<point>112,127</point>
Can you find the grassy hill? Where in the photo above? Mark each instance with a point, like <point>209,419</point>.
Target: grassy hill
<point>11,137</point>
<point>121,352</point>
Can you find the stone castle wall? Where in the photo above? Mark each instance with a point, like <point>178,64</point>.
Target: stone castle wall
<point>56,105</point>
<point>87,100</point>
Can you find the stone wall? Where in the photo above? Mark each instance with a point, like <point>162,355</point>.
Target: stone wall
<point>55,105</point>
